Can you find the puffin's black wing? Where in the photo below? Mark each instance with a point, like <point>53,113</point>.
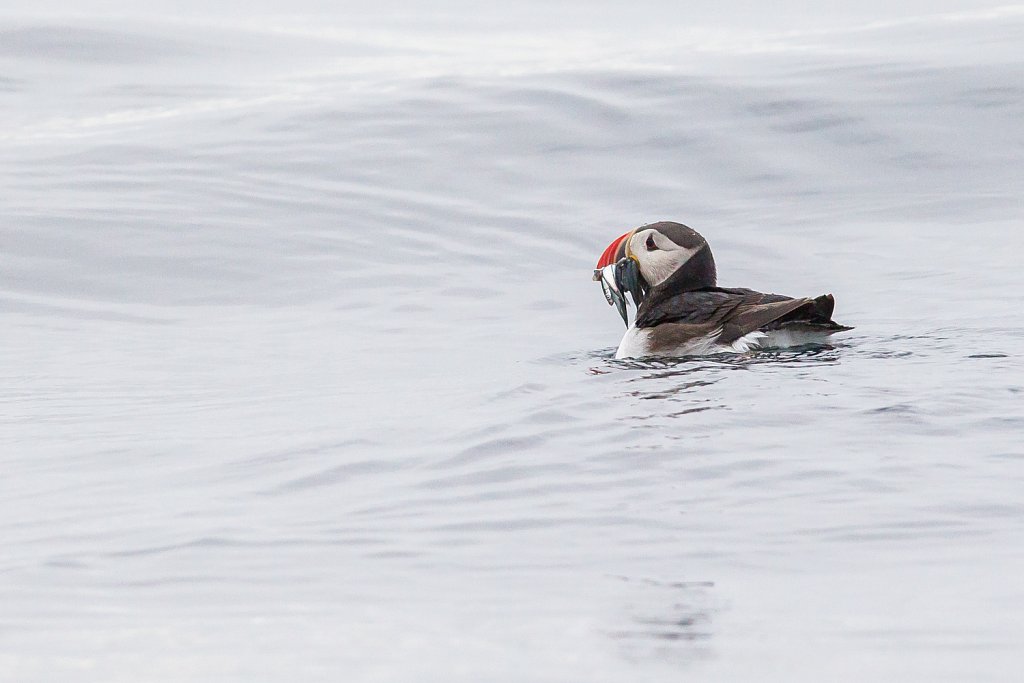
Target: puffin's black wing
<point>738,311</point>
<point>701,306</point>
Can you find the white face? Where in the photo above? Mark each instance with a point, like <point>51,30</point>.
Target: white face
<point>657,264</point>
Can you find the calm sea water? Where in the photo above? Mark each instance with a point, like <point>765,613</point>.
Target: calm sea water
<point>304,376</point>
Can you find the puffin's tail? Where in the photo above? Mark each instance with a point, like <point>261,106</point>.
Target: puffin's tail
<point>815,314</point>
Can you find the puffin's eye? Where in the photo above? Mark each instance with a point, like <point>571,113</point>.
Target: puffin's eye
<point>651,246</point>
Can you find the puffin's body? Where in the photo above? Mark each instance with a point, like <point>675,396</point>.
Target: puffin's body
<point>670,272</point>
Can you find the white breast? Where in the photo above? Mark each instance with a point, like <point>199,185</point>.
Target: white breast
<point>636,343</point>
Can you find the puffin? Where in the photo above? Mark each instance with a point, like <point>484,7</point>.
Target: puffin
<point>668,270</point>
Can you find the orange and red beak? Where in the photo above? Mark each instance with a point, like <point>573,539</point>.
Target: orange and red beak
<point>618,273</point>
<point>615,251</point>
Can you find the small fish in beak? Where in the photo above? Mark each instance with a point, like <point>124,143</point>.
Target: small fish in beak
<point>627,275</point>
<point>612,292</point>
<point>618,278</point>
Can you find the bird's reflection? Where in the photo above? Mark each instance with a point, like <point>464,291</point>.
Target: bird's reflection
<point>675,614</point>
<point>689,379</point>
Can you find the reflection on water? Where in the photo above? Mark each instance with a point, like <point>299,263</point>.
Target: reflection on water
<point>673,621</point>
<point>686,379</point>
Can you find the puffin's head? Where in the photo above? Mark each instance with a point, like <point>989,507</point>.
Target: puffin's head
<point>666,255</point>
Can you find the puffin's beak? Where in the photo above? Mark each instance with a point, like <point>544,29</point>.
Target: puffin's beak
<point>628,275</point>
<point>618,273</point>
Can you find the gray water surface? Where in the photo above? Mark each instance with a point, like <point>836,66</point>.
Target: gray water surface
<point>304,376</point>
